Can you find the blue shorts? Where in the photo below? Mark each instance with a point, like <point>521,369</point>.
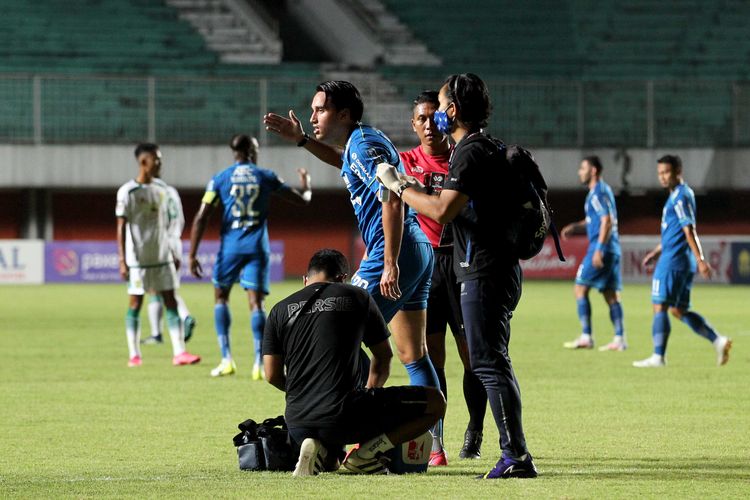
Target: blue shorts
<point>672,287</point>
<point>415,275</point>
<point>251,270</point>
<point>605,278</point>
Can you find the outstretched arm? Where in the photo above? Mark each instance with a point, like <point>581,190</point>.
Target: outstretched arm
<point>301,196</point>
<point>290,129</point>
<point>196,235</point>
<point>442,208</point>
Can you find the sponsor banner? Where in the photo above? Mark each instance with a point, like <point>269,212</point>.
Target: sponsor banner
<point>97,261</point>
<point>21,261</point>
<point>741,263</point>
<point>717,249</point>
<point>546,265</point>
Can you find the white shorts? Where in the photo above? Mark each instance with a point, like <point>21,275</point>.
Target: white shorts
<point>158,279</point>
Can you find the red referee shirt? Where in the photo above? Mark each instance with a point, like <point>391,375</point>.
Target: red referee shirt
<point>430,171</point>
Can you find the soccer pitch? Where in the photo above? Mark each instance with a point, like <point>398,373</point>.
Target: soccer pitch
<point>76,422</point>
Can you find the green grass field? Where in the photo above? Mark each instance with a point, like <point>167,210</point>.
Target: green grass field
<point>77,423</point>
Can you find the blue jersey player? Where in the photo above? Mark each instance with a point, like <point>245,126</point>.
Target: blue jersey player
<point>679,255</point>
<point>600,268</point>
<point>243,191</point>
<point>397,267</point>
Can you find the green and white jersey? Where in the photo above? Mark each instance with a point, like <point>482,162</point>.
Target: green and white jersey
<point>146,209</point>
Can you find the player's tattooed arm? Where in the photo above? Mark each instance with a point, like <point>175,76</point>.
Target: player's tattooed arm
<point>200,221</point>
<point>273,367</point>
<point>291,130</point>
<point>121,226</point>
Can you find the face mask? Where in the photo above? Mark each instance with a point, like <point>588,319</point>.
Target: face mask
<point>443,123</point>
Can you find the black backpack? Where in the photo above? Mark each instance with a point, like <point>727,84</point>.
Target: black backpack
<point>532,223</point>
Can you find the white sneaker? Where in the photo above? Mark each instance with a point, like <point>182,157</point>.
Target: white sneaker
<point>722,345</point>
<point>354,462</point>
<point>653,361</point>
<point>617,344</point>
<point>311,456</point>
<point>226,367</point>
<point>580,343</point>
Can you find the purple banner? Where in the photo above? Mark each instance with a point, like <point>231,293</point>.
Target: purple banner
<point>97,262</point>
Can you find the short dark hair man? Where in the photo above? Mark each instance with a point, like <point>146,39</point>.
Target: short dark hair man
<point>678,256</point>
<point>319,344</point>
<point>600,268</point>
<point>243,192</point>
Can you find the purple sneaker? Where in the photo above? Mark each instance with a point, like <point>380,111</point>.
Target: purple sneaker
<point>507,468</point>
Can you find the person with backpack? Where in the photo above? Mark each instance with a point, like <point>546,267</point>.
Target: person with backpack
<point>483,198</point>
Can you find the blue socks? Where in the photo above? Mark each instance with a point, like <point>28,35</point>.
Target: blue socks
<point>222,322</point>
<point>615,314</point>
<point>584,314</point>
<point>660,331</point>
<point>258,324</point>
<point>422,372</point>
<point>699,325</point>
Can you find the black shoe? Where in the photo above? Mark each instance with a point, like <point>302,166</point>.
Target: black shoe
<point>154,339</point>
<point>472,447</point>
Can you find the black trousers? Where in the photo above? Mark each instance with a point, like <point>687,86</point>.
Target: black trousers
<point>487,304</point>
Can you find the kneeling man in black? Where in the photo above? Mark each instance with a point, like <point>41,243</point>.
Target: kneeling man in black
<point>316,334</point>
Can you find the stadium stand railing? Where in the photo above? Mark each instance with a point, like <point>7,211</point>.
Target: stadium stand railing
<point>57,109</point>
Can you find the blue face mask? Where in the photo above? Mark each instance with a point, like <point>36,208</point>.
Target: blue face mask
<point>443,123</point>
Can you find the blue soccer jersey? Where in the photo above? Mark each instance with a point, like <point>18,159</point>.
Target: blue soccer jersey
<point>244,190</point>
<point>366,148</point>
<point>600,202</point>
<point>679,212</point>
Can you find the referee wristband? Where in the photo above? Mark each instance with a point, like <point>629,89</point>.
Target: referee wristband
<point>304,140</point>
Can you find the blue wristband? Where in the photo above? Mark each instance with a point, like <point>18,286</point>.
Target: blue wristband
<point>601,246</point>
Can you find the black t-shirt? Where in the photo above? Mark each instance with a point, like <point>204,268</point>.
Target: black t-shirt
<point>480,170</point>
<point>321,352</point>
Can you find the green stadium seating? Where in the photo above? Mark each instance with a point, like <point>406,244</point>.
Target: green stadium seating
<point>608,46</point>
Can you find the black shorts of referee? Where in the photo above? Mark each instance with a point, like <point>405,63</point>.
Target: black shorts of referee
<point>444,302</point>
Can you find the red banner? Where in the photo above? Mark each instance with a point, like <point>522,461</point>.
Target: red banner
<point>546,265</point>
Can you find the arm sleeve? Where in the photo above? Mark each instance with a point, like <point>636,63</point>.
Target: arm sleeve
<point>121,208</point>
<point>274,182</point>
<point>376,330</point>
<point>600,204</point>
<point>271,340</point>
<point>177,224</point>
<point>464,169</point>
<point>684,208</point>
